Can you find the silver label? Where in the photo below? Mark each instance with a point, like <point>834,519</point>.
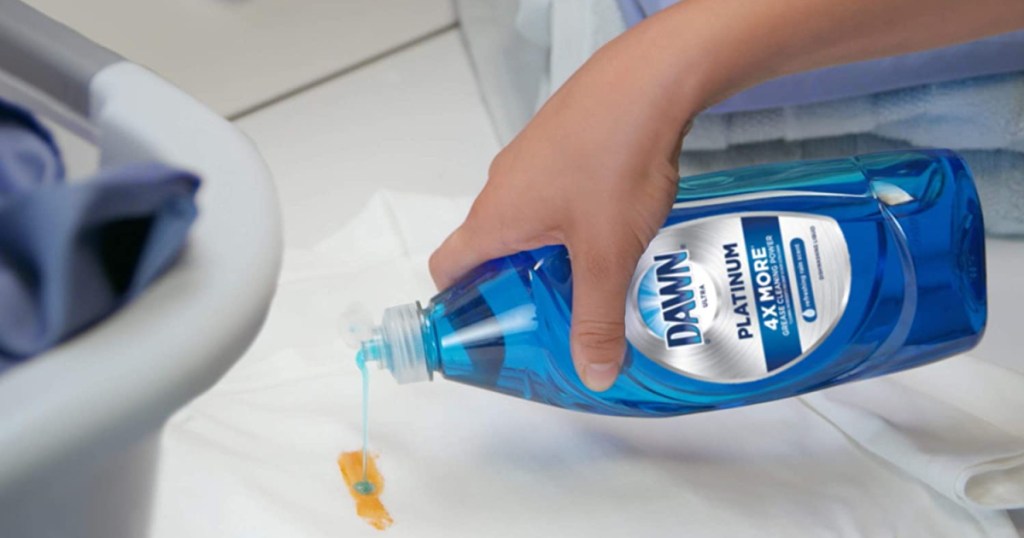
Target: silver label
<point>738,297</point>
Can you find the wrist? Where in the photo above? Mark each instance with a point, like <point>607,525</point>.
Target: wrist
<point>665,85</point>
<point>682,62</point>
<point>717,53</point>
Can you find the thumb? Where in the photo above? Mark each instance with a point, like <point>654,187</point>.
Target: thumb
<point>601,277</point>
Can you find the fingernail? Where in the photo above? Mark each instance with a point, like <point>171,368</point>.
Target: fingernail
<point>600,375</point>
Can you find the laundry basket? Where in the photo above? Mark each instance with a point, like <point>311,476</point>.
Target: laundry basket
<point>79,425</point>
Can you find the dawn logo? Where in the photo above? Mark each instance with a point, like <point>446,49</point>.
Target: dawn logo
<point>671,303</point>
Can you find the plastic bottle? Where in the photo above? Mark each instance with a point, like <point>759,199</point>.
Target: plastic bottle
<point>765,282</point>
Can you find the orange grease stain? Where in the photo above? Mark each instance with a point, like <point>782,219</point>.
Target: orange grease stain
<point>368,506</point>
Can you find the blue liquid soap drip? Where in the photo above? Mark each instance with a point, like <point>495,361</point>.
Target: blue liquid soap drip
<point>364,486</point>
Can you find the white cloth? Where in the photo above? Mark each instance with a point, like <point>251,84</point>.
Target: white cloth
<point>256,455</point>
<point>963,456</point>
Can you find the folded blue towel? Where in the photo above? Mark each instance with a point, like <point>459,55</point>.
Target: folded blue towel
<point>72,253</point>
<point>985,113</point>
<point>999,174</point>
<point>993,56</point>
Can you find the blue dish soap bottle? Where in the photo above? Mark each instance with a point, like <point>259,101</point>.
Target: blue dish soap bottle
<point>765,282</point>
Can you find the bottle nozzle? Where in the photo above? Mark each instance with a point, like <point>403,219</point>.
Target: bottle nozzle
<point>371,351</point>
<point>398,345</point>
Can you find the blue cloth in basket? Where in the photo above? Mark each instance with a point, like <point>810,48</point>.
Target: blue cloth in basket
<point>73,253</point>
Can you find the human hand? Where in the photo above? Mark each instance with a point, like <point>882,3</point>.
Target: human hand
<point>595,170</point>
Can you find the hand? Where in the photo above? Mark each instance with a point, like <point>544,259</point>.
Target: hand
<point>595,170</point>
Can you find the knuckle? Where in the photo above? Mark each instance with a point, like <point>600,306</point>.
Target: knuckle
<point>435,263</point>
<point>638,236</point>
<point>439,269</point>
<point>598,336</point>
<point>500,165</point>
<point>598,265</point>
<point>615,258</point>
<point>666,178</point>
<point>479,209</point>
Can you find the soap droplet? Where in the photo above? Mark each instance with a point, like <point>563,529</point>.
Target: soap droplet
<point>363,487</point>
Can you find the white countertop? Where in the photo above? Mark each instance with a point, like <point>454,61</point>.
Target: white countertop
<point>234,54</point>
<point>412,122</point>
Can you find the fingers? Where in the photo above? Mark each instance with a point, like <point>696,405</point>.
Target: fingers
<point>491,231</point>
<point>602,272</point>
<point>470,245</point>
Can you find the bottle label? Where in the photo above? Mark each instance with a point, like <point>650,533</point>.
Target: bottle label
<point>738,297</point>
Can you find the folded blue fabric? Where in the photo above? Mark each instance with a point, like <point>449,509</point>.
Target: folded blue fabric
<point>72,253</point>
<point>996,55</point>
<point>999,174</point>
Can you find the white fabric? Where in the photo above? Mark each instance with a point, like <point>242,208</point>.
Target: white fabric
<point>256,455</point>
<point>960,455</point>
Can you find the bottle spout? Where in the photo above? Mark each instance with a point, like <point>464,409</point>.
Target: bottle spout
<point>371,352</point>
<point>397,345</point>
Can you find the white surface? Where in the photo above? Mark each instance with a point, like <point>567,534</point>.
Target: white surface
<point>961,455</point>
<point>509,67</point>
<point>1001,343</point>
<point>233,54</point>
<point>413,121</point>
<point>255,456</point>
